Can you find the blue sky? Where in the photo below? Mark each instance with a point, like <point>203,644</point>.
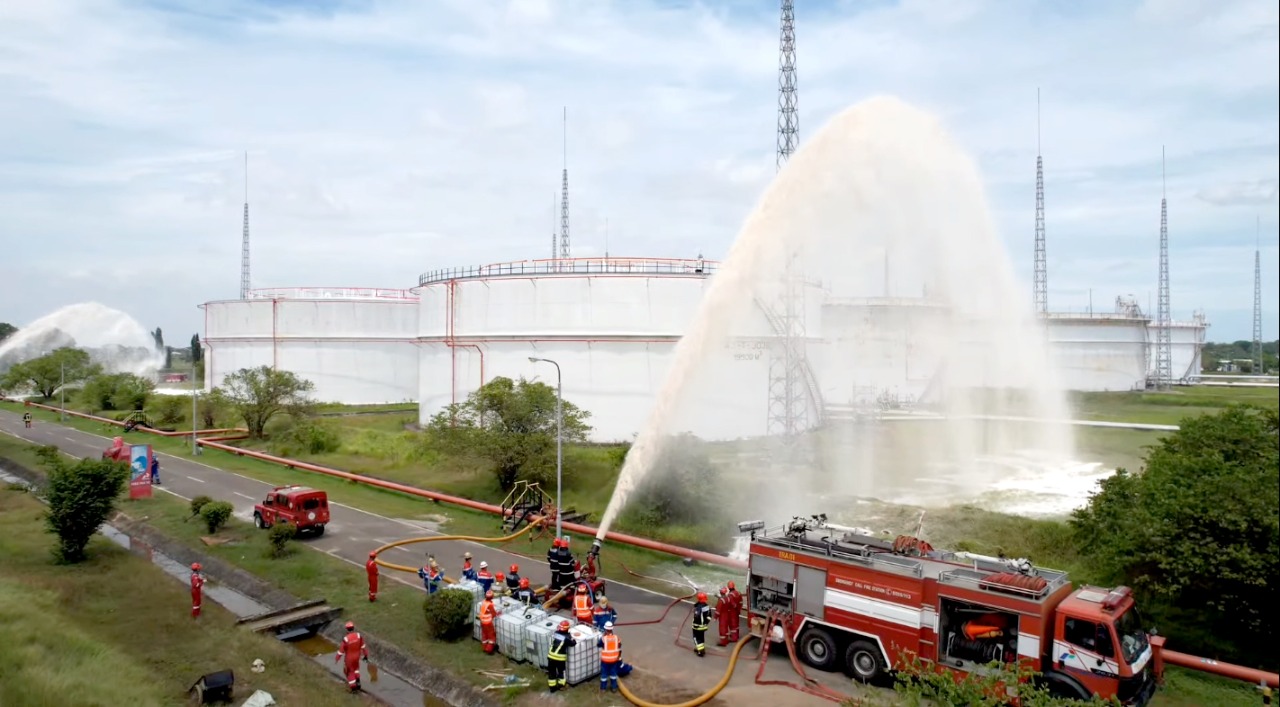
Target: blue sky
<point>391,137</point>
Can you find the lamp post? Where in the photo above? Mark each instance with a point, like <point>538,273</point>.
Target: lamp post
<point>559,436</point>
<point>195,448</point>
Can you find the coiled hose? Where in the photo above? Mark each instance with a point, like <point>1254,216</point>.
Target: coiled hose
<point>700,699</point>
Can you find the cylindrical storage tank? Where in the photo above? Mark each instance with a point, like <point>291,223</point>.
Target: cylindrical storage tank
<point>1099,352</point>
<point>1186,342</point>
<point>611,324</point>
<point>357,345</point>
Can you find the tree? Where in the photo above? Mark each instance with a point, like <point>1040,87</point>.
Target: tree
<point>81,497</point>
<point>159,339</point>
<point>512,426</point>
<point>7,330</point>
<point>197,353</point>
<point>116,391</point>
<point>1197,533</point>
<point>259,394</point>
<point>920,683</point>
<point>46,374</point>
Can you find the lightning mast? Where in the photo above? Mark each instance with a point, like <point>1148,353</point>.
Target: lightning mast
<point>1257,301</point>
<point>1164,348</point>
<point>564,192</point>
<point>1041,264</point>
<point>788,409</point>
<point>244,239</point>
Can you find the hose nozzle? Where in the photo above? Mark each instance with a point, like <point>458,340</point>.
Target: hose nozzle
<point>595,547</point>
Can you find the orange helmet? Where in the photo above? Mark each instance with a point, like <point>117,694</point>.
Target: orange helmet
<point>731,584</point>
<point>515,569</point>
<point>488,594</point>
<point>524,582</point>
<point>351,626</point>
<point>195,566</point>
<point>564,625</point>
<point>702,596</point>
<point>499,576</point>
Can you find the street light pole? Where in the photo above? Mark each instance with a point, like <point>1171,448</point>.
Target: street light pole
<point>559,437</point>
<point>195,448</point>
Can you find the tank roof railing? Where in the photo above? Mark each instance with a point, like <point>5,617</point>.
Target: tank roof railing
<point>692,267</point>
<point>354,293</point>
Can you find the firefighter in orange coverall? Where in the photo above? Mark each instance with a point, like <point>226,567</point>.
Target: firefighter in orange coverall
<point>352,648</point>
<point>197,589</point>
<point>582,609</point>
<point>735,607</point>
<point>722,616</point>
<point>488,632</point>
<point>371,569</point>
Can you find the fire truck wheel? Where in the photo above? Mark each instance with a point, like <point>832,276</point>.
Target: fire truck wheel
<point>863,662</point>
<point>817,648</point>
<point>1064,686</point>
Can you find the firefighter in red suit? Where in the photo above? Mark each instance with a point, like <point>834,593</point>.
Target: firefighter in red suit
<point>488,632</point>
<point>735,609</point>
<point>371,569</point>
<point>352,648</point>
<point>722,616</point>
<point>197,589</point>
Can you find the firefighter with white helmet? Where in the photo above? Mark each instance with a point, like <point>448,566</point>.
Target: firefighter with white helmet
<point>610,658</point>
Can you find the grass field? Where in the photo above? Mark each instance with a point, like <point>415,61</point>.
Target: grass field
<point>1168,408</point>
<point>117,630</point>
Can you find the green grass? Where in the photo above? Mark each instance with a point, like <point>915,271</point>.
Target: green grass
<point>1167,408</point>
<point>116,630</point>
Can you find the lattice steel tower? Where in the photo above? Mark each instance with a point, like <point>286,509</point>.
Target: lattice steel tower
<point>564,192</point>
<point>788,407</point>
<point>1042,270</point>
<point>244,238</point>
<point>1164,347</point>
<point>1257,301</point>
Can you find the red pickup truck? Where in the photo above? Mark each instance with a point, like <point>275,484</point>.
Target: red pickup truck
<point>305,508</point>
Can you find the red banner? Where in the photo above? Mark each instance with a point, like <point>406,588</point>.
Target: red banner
<point>140,456</point>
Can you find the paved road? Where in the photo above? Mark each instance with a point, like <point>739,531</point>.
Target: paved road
<point>352,533</point>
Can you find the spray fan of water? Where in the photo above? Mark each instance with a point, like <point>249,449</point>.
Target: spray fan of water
<point>879,227</point>
<point>111,337</point>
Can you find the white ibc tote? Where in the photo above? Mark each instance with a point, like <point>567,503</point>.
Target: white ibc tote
<point>584,658</point>
<point>511,625</point>
<point>537,638</point>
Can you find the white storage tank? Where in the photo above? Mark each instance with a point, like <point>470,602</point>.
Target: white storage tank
<point>357,345</point>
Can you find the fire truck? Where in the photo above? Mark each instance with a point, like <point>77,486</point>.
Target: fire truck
<point>864,604</point>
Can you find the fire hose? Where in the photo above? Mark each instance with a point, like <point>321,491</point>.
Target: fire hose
<point>700,699</point>
<point>441,538</point>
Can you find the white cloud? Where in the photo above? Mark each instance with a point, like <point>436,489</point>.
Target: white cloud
<point>390,137</point>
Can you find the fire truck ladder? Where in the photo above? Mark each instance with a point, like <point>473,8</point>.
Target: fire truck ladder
<point>810,686</point>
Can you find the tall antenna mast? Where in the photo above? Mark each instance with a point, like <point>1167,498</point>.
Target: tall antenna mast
<point>244,242</point>
<point>1164,348</point>
<point>1257,300</point>
<point>1041,261</point>
<point>564,192</point>
<point>788,118</point>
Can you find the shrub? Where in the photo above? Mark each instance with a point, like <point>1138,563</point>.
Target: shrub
<point>918,683</point>
<point>81,497</point>
<point>171,409</point>
<point>306,436</point>
<point>215,515</point>
<point>448,613</point>
<point>116,391</point>
<point>198,503</point>
<point>279,537</point>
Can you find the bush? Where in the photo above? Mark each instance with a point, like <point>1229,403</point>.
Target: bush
<point>306,436</point>
<point>171,409</point>
<point>279,537</point>
<point>198,503</point>
<point>81,497</point>
<point>116,391</point>
<point>921,683</point>
<point>448,613</point>
<point>216,514</point>
<point>680,491</point>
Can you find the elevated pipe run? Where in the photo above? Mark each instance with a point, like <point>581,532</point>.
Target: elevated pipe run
<point>236,432</point>
<point>1164,656</point>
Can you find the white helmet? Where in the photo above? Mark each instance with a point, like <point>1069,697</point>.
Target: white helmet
<point>608,625</point>
<point>484,565</point>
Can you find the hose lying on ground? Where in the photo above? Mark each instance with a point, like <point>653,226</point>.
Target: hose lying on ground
<point>700,699</point>
<point>440,538</point>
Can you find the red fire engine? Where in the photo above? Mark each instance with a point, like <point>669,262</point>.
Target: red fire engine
<point>863,604</point>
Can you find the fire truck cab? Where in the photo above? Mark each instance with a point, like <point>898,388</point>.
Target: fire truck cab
<point>864,604</point>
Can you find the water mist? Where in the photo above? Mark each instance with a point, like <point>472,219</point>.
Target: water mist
<point>907,298</point>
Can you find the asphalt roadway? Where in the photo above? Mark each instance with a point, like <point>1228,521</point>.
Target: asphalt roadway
<point>663,648</point>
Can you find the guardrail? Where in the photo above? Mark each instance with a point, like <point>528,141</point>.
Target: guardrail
<point>231,434</point>
<point>576,266</point>
<point>332,293</point>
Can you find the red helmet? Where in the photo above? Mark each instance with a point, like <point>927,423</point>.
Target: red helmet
<point>564,625</point>
<point>373,553</point>
<point>731,584</point>
<point>557,543</point>
<point>723,591</point>
<point>515,569</point>
<point>524,582</point>
<point>351,626</point>
<point>702,596</point>
<point>499,576</point>
<point>195,566</point>
<point>488,594</point>
<point>582,589</point>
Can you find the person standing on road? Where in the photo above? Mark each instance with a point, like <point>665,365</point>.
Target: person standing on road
<point>488,634</point>
<point>603,613</point>
<point>155,469</point>
<point>513,578</point>
<point>371,569</point>
<point>610,658</point>
<point>558,657</point>
<point>722,616</point>
<point>701,622</point>
<point>553,563</point>
<point>26,420</point>
<point>735,609</point>
<point>582,609</point>
<point>468,572</point>
<point>197,589</point>
<point>431,576</point>
<point>352,648</point>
